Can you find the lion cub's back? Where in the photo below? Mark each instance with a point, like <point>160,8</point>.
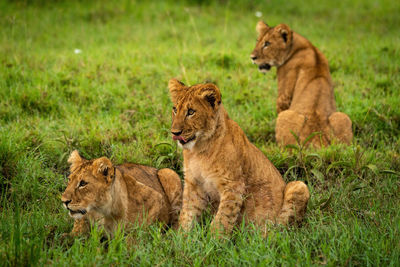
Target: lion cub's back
<point>143,174</point>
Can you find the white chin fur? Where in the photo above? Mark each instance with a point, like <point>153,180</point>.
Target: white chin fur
<point>189,145</point>
<point>76,215</point>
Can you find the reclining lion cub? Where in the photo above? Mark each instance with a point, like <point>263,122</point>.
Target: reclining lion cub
<point>306,102</point>
<point>128,193</point>
<point>223,168</point>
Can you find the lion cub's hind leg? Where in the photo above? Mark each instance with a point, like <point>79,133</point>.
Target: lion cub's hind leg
<point>340,125</point>
<point>172,185</point>
<point>286,122</point>
<point>295,199</point>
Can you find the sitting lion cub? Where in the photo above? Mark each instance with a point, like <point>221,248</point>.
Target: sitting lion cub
<point>99,191</point>
<point>306,102</point>
<point>223,168</point>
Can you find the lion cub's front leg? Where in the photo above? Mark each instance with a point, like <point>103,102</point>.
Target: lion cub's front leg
<point>283,103</point>
<point>194,202</point>
<point>81,226</point>
<point>231,200</point>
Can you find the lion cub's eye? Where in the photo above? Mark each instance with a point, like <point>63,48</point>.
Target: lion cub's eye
<point>190,112</point>
<point>174,109</point>
<point>266,44</point>
<point>82,183</point>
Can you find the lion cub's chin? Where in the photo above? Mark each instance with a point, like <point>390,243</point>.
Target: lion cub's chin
<point>80,213</point>
<point>188,146</point>
<point>76,215</point>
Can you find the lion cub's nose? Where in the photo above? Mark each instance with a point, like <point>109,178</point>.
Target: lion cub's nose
<point>66,202</point>
<point>253,57</point>
<point>176,132</point>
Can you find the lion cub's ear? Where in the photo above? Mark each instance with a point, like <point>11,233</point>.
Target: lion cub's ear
<point>75,160</point>
<point>175,88</point>
<point>104,167</point>
<point>261,27</point>
<point>211,94</point>
<point>285,32</point>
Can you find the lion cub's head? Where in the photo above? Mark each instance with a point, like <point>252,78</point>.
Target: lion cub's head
<point>194,111</point>
<point>273,46</point>
<point>88,185</point>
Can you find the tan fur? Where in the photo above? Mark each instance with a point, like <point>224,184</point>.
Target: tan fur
<point>224,169</point>
<point>126,193</point>
<point>306,101</point>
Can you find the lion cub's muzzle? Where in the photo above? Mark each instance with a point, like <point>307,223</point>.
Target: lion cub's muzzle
<point>183,140</point>
<point>74,212</point>
<point>177,136</point>
<point>66,202</point>
<point>264,67</point>
<point>77,214</point>
<point>71,211</point>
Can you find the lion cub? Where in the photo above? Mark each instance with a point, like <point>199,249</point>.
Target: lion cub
<point>223,168</point>
<point>306,102</point>
<point>99,191</point>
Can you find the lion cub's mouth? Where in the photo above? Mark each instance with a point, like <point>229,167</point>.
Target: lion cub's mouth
<point>74,212</point>
<point>264,67</point>
<point>182,140</point>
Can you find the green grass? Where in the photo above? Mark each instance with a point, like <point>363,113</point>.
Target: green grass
<point>112,100</point>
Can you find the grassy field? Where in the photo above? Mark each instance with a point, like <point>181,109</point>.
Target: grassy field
<point>93,76</point>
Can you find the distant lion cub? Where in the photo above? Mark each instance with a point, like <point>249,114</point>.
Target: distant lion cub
<point>128,193</point>
<point>223,168</point>
<point>306,102</point>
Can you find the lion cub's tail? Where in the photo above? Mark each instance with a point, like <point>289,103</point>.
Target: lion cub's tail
<point>172,185</point>
<point>295,199</point>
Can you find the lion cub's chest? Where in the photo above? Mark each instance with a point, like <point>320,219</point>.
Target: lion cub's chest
<point>203,178</point>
